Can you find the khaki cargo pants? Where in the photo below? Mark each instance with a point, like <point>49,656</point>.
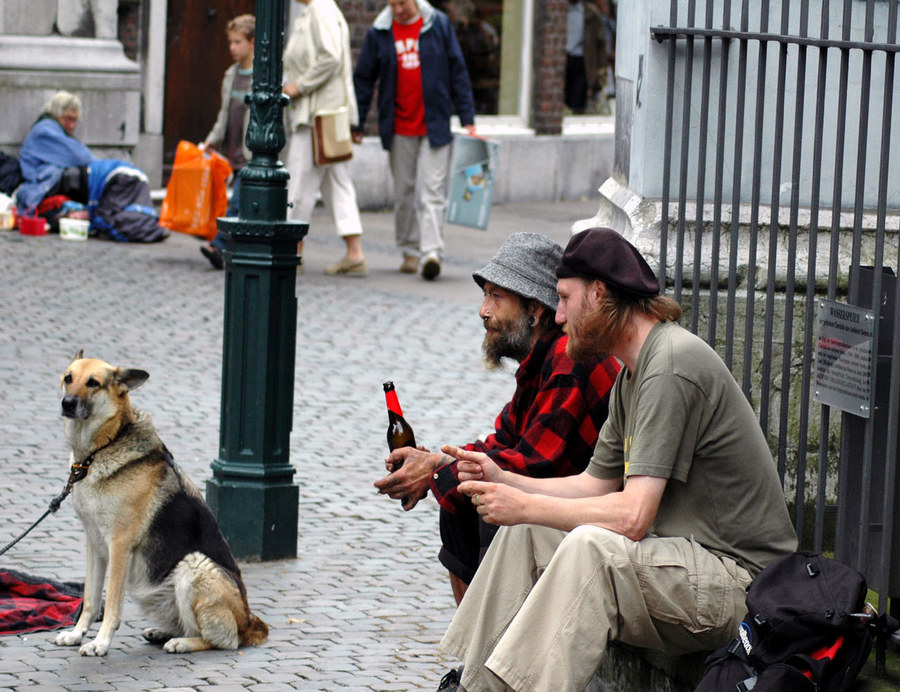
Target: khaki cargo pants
<point>544,604</point>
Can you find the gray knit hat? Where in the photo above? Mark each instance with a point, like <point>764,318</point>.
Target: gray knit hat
<point>525,264</point>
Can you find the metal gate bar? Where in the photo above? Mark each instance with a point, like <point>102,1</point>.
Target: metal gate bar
<point>890,469</point>
<point>789,52</point>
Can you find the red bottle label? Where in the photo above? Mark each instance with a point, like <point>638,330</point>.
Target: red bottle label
<point>393,403</point>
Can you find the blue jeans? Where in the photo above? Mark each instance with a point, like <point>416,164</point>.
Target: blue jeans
<point>232,209</point>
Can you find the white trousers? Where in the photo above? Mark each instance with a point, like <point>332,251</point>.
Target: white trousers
<point>420,197</point>
<point>544,604</point>
<point>307,180</point>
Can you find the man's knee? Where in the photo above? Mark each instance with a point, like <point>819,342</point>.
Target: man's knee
<point>596,542</point>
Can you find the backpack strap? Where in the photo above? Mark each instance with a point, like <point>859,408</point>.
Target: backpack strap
<point>735,649</point>
<point>746,685</point>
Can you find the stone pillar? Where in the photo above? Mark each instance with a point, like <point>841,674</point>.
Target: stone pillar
<point>148,155</point>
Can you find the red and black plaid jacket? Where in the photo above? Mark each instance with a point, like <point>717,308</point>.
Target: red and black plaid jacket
<point>550,426</point>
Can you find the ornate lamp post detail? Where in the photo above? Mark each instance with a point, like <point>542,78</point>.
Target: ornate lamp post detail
<point>252,490</point>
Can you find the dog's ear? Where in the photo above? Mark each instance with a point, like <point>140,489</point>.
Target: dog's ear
<point>130,378</point>
<point>79,355</point>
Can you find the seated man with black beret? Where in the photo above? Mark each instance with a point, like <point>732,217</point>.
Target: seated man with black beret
<point>656,541</point>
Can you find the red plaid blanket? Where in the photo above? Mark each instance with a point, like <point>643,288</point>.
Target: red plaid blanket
<point>33,604</point>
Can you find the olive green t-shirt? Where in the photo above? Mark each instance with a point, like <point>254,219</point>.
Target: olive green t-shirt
<point>680,415</point>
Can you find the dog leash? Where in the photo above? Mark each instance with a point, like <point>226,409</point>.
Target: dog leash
<point>76,473</point>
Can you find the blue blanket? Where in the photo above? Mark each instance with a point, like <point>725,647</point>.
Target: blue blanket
<point>119,193</point>
<point>47,150</point>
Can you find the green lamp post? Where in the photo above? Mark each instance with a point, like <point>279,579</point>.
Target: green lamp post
<point>252,491</point>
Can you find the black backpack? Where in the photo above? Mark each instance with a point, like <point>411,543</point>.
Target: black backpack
<point>805,629</point>
<point>10,173</point>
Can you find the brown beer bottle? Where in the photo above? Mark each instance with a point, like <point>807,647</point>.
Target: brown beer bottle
<point>399,432</point>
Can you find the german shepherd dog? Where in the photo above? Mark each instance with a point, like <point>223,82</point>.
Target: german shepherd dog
<point>147,523</point>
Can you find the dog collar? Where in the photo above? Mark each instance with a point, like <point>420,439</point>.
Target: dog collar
<point>79,470</point>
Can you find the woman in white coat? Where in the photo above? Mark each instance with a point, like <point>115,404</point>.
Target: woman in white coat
<point>318,76</point>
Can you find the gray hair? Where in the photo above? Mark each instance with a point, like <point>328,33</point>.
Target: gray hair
<point>61,102</point>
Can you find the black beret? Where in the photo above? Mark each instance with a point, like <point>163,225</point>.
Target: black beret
<point>602,253</point>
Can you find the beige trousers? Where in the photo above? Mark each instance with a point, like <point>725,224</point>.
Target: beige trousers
<point>544,604</point>
<point>420,195</point>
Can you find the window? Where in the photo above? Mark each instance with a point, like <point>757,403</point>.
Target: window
<point>495,37</point>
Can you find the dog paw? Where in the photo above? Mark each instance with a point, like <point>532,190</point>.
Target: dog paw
<point>183,645</point>
<point>94,648</point>
<point>69,638</point>
<point>154,635</point>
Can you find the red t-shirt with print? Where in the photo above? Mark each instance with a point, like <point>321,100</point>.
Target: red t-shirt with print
<point>409,105</point>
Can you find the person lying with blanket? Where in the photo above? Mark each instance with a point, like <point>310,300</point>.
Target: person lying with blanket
<point>63,176</point>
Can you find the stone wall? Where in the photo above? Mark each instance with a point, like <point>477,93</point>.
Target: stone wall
<point>33,68</point>
<point>627,669</point>
<point>40,53</point>
<point>531,169</point>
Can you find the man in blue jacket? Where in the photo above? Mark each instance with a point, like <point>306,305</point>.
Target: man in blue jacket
<point>411,52</point>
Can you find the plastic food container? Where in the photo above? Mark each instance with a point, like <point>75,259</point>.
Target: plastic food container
<point>73,229</point>
<point>8,219</point>
<point>32,225</point>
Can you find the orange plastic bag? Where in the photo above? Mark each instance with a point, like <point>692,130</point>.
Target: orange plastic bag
<point>196,194</point>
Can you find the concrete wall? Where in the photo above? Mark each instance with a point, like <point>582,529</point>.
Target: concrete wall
<point>641,68</point>
<point>531,169</point>
<point>33,68</point>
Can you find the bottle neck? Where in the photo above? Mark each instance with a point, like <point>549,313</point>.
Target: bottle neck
<point>393,403</point>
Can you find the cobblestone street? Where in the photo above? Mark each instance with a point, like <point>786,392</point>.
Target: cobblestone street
<point>365,603</point>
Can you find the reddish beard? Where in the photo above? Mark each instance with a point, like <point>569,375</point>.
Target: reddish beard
<point>597,331</point>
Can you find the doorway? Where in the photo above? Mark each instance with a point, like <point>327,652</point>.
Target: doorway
<point>196,59</point>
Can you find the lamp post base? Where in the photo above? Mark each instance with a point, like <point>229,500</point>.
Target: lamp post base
<point>258,519</point>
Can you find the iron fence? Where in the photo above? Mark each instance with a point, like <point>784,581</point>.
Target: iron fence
<point>778,191</point>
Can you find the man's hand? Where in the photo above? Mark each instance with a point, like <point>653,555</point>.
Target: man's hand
<point>496,503</point>
<point>409,483</point>
<point>474,466</point>
<point>357,137</point>
<point>470,130</point>
<point>290,90</point>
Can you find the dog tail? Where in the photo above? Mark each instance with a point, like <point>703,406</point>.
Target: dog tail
<point>255,633</point>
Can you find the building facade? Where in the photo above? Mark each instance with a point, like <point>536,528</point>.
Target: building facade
<point>157,81</point>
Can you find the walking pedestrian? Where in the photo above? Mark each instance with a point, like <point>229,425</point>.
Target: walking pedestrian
<point>230,128</point>
<point>318,76</point>
<point>412,54</point>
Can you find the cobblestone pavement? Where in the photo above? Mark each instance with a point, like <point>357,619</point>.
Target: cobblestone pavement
<point>365,602</point>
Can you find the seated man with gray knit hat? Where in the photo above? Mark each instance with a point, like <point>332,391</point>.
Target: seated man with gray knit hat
<point>548,428</point>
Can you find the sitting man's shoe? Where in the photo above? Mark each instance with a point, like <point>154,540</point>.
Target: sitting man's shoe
<point>431,266</point>
<point>450,682</point>
<point>214,255</point>
<point>410,264</point>
<point>348,267</point>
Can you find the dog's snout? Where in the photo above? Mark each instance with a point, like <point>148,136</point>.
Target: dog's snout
<point>70,406</point>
